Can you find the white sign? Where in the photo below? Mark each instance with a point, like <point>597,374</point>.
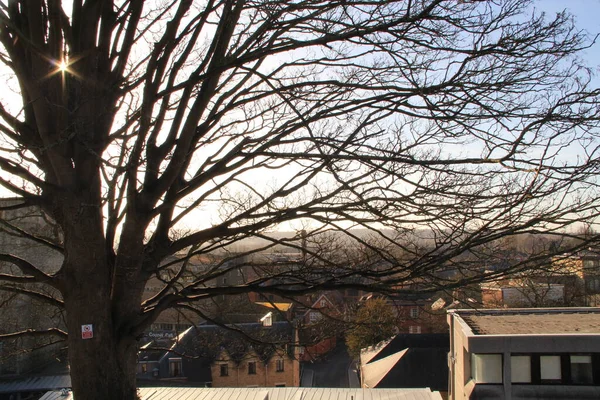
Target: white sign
<point>87,331</point>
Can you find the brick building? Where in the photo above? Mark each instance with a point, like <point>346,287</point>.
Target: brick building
<point>246,354</point>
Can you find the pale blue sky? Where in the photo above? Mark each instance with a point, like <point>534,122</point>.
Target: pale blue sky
<point>587,17</point>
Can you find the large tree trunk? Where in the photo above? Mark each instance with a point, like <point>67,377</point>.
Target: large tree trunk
<point>102,367</point>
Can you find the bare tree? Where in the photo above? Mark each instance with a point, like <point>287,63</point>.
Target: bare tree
<point>462,122</point>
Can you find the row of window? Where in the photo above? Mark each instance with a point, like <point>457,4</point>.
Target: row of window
<point>573,369</point>
<point>279,367</point>
<point>170,327</point>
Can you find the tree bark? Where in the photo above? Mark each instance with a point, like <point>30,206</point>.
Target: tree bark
<point>104,366</point>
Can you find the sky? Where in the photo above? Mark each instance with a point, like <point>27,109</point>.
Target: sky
<point>587,17</point>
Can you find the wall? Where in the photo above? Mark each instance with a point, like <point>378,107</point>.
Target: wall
<point>266,373</point>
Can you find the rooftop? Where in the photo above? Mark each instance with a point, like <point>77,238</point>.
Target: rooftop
<point>295,393</point>
<point>532,321</point>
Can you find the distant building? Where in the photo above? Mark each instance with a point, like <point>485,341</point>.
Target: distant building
<point>235,356</point>
<point>584,268</point>
<point>17,311</point>
<point>517,293</point>
<point>543,353</point>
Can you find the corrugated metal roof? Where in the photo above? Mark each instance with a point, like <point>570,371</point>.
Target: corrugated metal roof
<point>295,393</point>
<point>36,384</point>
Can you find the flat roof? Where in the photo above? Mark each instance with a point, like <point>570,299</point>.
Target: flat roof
<point>532,321</point>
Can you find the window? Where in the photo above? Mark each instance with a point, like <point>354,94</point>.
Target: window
<point>314,316</point>
<point>182,327</point>
<point>550,369</point>
<point>520,369</point>
<point>592,284</point>
<point>166,327</point>
<point>581,369</point>
<point>323,303</point>
<point>267,320</point>
<point>252,368</point>
<point>486,368</point>
<point>279,365</point>
<point>414,312</point>
<point>588,265</point>
<point>175,367</point>
<point>576,369</point>
<point>224,369</point>
<point>414,329</point>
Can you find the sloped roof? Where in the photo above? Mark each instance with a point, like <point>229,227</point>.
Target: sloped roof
<point>35,383</point>
<point>374,372</point>
<point>290,393</point>
<point>409,368</point>
<point>368,353</point>
<point>418,367</point>
<point>277,306</point>
<point>404,341</point>
<point>407,361</point>
<point>239,340</point>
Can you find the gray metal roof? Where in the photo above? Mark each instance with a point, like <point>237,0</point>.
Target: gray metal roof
<point>36,384</point>
<point>289,393</point>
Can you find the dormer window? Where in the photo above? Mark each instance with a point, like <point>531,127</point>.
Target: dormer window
<point>267,320</point>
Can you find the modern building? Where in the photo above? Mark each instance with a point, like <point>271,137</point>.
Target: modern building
<point>536,353</point>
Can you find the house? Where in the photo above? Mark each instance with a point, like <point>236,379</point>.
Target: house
<point>323,306</point>
<point>320,326</point>
<point>246,354</point>
<point>535,353</point>
<point>417,316</point>
<point>407,361</point>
